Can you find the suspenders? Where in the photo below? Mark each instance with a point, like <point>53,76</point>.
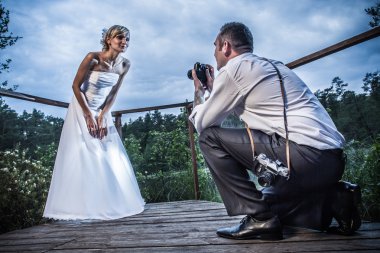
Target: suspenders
<point>285,118</point>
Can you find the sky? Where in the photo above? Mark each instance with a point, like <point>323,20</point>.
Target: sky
<point>169,36</point>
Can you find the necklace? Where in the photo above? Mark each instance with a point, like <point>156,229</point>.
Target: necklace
<point>109,63</point>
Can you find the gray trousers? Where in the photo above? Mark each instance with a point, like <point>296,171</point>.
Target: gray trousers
<point>299,201</point>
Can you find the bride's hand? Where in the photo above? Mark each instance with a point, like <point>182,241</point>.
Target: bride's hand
<point>91,124</point>
<point>102,126</point>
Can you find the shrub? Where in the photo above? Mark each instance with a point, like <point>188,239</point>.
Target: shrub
<point>363,168</point>
<point>24,185</point>
<point>176,185</point>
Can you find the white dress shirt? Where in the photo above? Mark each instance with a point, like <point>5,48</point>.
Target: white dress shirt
<point>249,86</point>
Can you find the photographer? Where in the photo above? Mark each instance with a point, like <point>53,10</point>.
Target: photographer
<point>285,123</point>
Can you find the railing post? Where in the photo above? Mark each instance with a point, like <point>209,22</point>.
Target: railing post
<point>118,125</point>
<point>193,155</point>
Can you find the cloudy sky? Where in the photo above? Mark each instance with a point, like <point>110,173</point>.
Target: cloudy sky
<point>168,36</point>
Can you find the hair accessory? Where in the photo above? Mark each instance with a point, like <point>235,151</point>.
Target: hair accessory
<point>104,34</point>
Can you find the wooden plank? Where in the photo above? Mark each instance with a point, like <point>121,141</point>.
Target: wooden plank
<point>51,230</point>
<point>190,229</point>
<point>273,247</point>
<point>297,245</point>
<point>172,227</point>
<point>209,237</point>
<point>158,231</point>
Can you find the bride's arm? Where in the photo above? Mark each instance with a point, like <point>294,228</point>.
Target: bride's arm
<point>83,69</point>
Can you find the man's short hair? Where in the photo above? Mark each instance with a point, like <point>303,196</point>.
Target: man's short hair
<point>238,35</point>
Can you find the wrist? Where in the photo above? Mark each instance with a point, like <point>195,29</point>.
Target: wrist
<point>87,114</point>
<point>199,92</point>
<point>198,97</point>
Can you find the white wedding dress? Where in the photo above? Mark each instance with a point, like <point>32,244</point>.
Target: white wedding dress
<point>92,178</point>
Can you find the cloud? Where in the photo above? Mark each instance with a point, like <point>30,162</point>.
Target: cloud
<point>167,37</point>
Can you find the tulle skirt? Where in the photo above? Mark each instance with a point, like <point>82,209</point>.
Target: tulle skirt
<point>92,178</point>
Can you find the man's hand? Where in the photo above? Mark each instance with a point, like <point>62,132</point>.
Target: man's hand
<point>210,77</point>
<point>199,91</point>
<point>197,83</point>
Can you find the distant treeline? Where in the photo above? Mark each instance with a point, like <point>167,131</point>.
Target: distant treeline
<point>356,116</point>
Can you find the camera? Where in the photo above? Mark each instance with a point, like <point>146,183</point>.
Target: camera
<point>200,71</point>
<point>268,170</point>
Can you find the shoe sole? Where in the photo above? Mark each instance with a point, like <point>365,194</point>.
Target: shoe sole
<point>269,237</point>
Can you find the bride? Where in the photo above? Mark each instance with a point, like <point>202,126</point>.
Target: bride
<point>93,177</point>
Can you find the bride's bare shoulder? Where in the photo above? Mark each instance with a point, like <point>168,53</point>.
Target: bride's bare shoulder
<point>125,64</point>
<point>93,56</point>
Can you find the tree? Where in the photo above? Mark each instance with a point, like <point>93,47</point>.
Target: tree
<point>9,127</point>
<point>374,12</point>
<point>355,115</point>
<point>6,39</point>
<point>371,84</point>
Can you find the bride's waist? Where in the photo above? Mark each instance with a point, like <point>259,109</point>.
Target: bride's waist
<point>94,101</point>
<point>96,97</point>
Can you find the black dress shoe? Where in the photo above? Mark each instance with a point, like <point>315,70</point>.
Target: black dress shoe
<point>344,208</point>
<point>250,228</point>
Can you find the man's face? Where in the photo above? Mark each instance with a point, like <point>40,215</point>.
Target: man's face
<point>220,58</point>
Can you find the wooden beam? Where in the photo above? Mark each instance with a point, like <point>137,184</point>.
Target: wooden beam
<point>151,108</point>
<point>193,155</point>
<point>373,33</point>
<point>32,98</point>
<point>118,125</point>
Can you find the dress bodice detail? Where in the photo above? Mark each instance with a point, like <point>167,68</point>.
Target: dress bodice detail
<point>97,86</point>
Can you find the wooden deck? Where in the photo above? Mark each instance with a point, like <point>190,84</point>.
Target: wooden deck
<point>185,226</point>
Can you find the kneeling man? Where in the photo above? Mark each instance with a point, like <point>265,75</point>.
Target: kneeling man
<point>285,123</point>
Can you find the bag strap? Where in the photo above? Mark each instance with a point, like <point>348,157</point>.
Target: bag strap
<point>283,95</point>
<point>251,140</point>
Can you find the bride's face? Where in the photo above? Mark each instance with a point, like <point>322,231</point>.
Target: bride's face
<point>120,42</point>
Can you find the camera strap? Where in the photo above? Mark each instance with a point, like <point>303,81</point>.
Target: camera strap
<point>283,95</point>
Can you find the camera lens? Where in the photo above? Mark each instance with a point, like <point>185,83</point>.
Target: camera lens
<point>189,74</point>
<point>265,179</point>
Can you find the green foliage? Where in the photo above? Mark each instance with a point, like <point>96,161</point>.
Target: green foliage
<point>176,185</point>
<point>10,133</point>
<point>374,12</point>
<point>28,145</point>
<point>357,118</point>
<point>355,115</point>
<point>233,121</point>
<point>29,130</point>
<point>6,39</point>
<point>24,185</point>
<point>39,130</point>
<point>363,168</point>
<point>158,147</point>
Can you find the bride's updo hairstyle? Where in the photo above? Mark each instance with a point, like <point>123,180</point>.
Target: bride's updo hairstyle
<point>111,33</point>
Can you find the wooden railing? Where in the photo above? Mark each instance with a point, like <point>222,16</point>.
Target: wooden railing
<point>365,36</point>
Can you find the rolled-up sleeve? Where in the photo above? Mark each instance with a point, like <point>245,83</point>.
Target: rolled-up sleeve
<point>223,99</point>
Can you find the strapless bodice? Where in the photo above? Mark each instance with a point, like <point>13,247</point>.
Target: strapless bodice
<point>97,87</point>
